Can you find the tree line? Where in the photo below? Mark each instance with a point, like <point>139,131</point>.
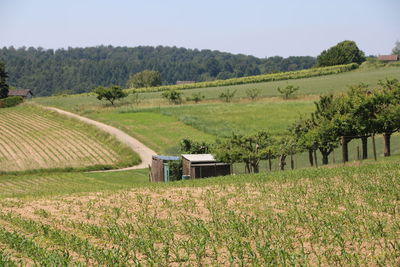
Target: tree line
<point>79,70</point>
<point>360,113</point>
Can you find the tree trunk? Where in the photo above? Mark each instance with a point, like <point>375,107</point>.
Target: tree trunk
<point>282,162</point>
<point>256,169</point>
<point>270,164</point>
<point>315,158</point>
<point>374,146</point>
<point>386,138</point>
<point>310,157</point>
<point>291,162</point>
<point>345,149</point>
<point>325,160</point>
<point>364,141</point>
<point>325,153</point>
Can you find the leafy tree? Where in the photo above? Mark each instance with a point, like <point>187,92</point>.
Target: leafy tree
<point>146,78</point>
<point>173,96</point>
<point>386,119</point>
<point>396,49</point>
<point>250,149</point>
<point>324,131</point>
<point>343,53</point>
<point>227,95</point>
<point>288,90</point>
<point>299,130</point>
<point>253,93</point>
<point>194,147</point>
<point>286,146</point>
<point>110,93</point>
<point>3,81</point>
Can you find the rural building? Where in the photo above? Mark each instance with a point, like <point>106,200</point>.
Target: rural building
<point>160,168</point>
<point>24,93</point>
<point>203,165</point>
<point>389,58</point>
<point>184,82</point>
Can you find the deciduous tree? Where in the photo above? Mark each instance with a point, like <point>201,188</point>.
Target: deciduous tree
<point>3,81</point>
<point>110,93</point>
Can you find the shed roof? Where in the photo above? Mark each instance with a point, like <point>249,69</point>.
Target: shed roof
<point>165,157</point>
<point>389,57</point>
<point>199,157</point>
<point>19,92</point>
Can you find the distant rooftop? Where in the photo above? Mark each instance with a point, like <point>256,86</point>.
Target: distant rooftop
<point>199,157</point>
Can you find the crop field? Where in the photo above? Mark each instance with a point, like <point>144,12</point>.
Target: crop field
<point>327,216</point>
<point>33,138</point>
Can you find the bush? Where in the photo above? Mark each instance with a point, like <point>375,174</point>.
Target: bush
<point>173,96</point>
<point>253,93</point>
<point>11,101</point>
<point>196,97</point>
<point>227,95</point>
<point>288,90</point>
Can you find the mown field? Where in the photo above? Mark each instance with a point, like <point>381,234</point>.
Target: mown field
<point>340,216</point>
<point>33,138</point>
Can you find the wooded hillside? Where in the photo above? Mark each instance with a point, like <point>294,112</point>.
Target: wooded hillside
<point>78,70</point>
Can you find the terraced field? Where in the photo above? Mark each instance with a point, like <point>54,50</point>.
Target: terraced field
<point>33,138</point>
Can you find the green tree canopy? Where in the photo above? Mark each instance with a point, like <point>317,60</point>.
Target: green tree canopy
<point>343,53</point>
<point>110,93</point>
<point>146,78</point>
<point>396,49</point>
<point>3,81</point>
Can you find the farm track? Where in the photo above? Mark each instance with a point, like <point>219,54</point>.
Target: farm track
<point>144,152</point>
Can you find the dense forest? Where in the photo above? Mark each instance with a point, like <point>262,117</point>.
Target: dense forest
<point>78,70</point>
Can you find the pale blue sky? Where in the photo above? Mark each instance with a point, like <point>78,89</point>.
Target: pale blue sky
<point>253,27</point>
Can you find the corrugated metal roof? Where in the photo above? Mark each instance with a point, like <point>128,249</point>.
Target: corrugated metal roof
<point>199,157</point>
<point>166,157</point>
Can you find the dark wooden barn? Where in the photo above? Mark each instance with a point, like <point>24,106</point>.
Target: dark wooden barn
<point>160,171</point>
<point>203,165</point>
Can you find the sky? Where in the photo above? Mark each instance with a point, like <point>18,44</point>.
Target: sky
<point>252,27</point>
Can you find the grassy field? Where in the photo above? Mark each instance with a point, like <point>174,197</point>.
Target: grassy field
<point>33,138</point>
<point>308,86</point>
<point>160,132</point>
<point>327,216</point>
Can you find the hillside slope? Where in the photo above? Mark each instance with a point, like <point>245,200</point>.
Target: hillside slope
<point>33,138</point>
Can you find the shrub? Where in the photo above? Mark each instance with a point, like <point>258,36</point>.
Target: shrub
<point>288,90</point>
<point>11,101</point>
<point>227,95</point>
<point>196,97</point>
<point>173,96</point>
<point>253,93</point>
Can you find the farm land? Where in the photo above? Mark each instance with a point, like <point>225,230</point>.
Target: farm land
<point>34,138</point>
<point>334,215</point>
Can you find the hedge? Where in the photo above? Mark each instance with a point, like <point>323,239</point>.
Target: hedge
<point>11,101</point>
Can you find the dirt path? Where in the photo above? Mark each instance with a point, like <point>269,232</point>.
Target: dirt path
<point>144,152</point>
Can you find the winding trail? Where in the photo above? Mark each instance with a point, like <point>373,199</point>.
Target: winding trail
<point>144,152</point>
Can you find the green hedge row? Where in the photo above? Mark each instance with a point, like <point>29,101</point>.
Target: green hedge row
<point>11,101</point>
<point>255,79</point>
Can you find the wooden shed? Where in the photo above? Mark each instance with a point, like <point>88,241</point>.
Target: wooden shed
<point>203,165</point>
<point>160,168</point>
